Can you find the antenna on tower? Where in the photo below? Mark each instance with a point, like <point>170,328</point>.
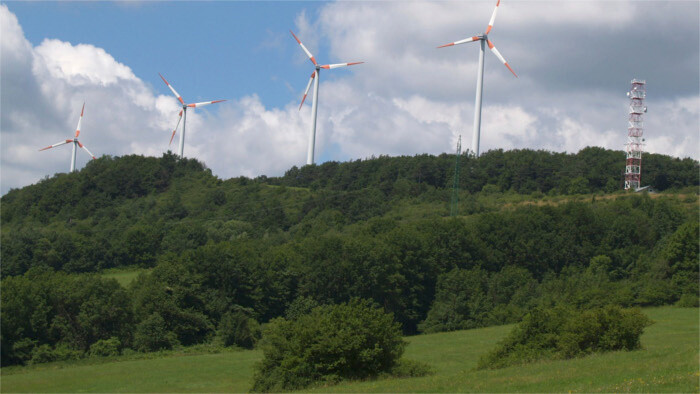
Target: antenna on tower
<point>635,131</point>
<point>454,206</point>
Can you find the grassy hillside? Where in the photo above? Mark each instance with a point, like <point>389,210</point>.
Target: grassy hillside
<point>668,363</point>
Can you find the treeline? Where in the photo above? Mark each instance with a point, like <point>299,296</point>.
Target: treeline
<point>132,210</point>
<point>522,171</point>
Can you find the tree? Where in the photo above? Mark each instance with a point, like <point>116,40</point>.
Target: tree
<point>239,329</point>
<point>460,301</point>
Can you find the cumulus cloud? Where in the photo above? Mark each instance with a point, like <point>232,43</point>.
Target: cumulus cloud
<point>574,60</point>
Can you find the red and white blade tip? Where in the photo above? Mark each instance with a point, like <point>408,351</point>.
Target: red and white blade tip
<point>86,150</point>
<point>311,57</point>
<point>470,39</point>
<point>493,17</point>
<point>173,90</point>
<point>56,144</point>
<point>308,86</point>
<point>194,105</point>
<point>176,126</point>
<point>500,57</point>
<point>332,66</point>
<point>80,121</point>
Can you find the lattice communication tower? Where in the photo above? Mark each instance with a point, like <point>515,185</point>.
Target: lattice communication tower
<point>635,131</point>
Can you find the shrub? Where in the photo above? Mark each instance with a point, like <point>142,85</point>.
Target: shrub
<point>239,329</point>
<point>21,351</point>
<point>688,301</point>
<point>604,329</point>
<point>563,332</point>
<point>152,334</point>
<point>334,342</point>
<point>410,369</point>
<point>45,354</point>
<point>106,347</point>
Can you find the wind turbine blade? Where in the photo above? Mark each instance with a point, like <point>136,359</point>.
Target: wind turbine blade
<point>77,130</point>
<point>204,103</point>
<point>308,86</point>
<point>499,56</point>
<point>493,17</point>
<point>470,39</point>
<point>86,150</point>
<point>175,130</point>
<point>56,144</point>
<point>332,66</point>
<point>173,90</point>
<point>304,48</point>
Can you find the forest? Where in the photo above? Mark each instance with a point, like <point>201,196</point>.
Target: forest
<point>221,257</point>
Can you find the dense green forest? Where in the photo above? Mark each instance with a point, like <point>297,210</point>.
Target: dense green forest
<point>224,252</point>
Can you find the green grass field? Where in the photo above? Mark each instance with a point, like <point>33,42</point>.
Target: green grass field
<point>668,363</point>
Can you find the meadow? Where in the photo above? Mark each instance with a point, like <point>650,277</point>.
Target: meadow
<point>668,363</point>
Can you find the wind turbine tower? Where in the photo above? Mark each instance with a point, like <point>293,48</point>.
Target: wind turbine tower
<point>315,77</point>
<point>483,40</point>
<point>635,132</point>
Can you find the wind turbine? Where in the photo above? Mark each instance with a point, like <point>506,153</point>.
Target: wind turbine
<point>484,39</point>
<point>315,76</point>
<point>75,142</point>
<point>184,110</point>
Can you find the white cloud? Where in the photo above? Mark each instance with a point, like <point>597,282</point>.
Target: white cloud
<point>80,64</point>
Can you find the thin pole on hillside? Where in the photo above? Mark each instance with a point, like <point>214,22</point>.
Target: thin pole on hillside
<point>454,206</point>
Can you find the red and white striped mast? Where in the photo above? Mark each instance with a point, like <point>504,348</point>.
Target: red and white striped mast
<point>635,131</point>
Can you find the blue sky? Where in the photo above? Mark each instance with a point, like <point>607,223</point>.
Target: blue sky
<point>207,50</point>
<point>574,60</point>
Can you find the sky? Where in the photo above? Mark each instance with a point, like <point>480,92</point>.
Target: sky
<point>574,61</point>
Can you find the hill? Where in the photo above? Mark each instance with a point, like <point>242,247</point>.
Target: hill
<point>86,221</point>
<point>668,363</point>
<point>377,229</point>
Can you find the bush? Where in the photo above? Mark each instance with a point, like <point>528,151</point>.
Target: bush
<point>601,330</point>
<point>45,354</point>
<point>563,332</point>
<point>334,342</point>
<point>152,334</point>
<point>239,329</point>
<point>105,347</point>
<point>410,369</point>
<point>688,301</point>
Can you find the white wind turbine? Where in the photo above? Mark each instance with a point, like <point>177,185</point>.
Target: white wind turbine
<point>75,142</point>
<point>181,147</point>
<point>315,76</point>
<point>484,38</point>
